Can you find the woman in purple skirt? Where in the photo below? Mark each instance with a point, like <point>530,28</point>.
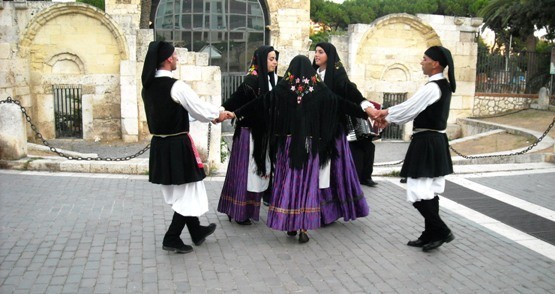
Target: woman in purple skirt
<point>343,196</point>
<point>302,118</point>
<point>247,176</point>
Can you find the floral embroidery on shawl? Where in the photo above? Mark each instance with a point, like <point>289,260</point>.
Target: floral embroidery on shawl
<point>301,85</point>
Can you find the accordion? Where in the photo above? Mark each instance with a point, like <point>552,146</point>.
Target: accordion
<point>360,128</point>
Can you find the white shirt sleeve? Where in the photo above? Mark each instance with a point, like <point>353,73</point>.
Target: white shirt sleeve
<point>365,104</point>
<point>198,109</point>
<point>410,109</point>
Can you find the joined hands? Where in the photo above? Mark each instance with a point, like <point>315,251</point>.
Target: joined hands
<point>378,116</point>
<point>223,116</point>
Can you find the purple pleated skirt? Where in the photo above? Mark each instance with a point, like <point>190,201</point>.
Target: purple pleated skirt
<point>295,204</point>
<point>344,198</point>
<point>235,200</point>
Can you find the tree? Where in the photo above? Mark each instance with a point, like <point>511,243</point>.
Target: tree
<point>361,11</point>
<point>146,6</point>
<point>411,7</point>
<point>520,19</point>
<point>467,8</point>
<point>96,3</point>
<point>329,13</point>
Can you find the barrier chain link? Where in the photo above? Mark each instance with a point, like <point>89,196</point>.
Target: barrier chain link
<point>53,149</point>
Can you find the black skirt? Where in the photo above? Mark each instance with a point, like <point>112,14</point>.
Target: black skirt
<point>172,161</point>
<point>427,156</point>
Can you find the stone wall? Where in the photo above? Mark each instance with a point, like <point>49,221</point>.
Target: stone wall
<point>46,43</point>
<point>289,29</point>
<point>384,56</point>
<point>487,104</point>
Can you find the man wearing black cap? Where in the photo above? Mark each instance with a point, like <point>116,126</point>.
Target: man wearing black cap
<point>174,161</point>
<point>428,159</point>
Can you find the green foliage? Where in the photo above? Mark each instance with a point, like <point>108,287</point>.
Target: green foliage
<point>339,16</point>
<point>544,46</point>
<point>224,150</point>
<point>519,18</point>
<point>319,37</point>
<point>96,3</point>
<point>411,7</point>
<point>361,11</point>
<point>329,13</point>
<point>467,8</point>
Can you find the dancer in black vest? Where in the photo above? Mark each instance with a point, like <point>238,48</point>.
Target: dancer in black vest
<point>428,160</point>
<point>174,161</point>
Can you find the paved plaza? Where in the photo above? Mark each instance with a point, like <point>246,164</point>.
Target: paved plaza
<point>99,233</point>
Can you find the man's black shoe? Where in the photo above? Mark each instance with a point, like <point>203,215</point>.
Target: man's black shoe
<point>204,232</point>
<point>436,244</point>
<point>179,249</point>
<point>368,183</point>
<point>403,180</point>
<point>417,243</point>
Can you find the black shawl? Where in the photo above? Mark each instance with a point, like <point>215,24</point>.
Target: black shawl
<point>255,84</point>
<point>301,106</point>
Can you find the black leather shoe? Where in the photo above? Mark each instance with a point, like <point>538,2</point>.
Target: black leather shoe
<point>205,232</point>
<point>266,203</point>
<point>417,243</point>
<point>292,233</point>
<point>403,180</point>
<point>368,183</point>
<point>435,244</point>
<point>246,222</point>
<point>178,249</point>
<point>303,237</point>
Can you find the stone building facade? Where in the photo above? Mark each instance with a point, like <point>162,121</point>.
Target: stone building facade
<point>59,43</point>
<point>384,57</point>
<point>44,44</point>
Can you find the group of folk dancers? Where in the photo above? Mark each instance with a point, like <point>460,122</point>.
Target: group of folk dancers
<point>290,142</point>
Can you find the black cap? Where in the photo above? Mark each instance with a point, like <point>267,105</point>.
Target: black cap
<point>158,51</point>
<point>443,56</point>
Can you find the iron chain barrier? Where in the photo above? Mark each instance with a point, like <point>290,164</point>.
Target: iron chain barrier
<point>60,153</point>
<point>140,152</point>
<point>538,140</point>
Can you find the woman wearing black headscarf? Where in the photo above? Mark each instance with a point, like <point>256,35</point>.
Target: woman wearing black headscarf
<point>248,175</point>
<point>343,197</point>
<point>302,123</point>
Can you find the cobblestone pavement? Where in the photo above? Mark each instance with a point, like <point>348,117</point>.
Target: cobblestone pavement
<point>99,233</point>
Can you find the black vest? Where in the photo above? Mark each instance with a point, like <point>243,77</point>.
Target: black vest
<point>164,116</point>
<point>435,115</point>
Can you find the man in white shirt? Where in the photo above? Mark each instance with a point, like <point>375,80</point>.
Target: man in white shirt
<point>174,161</point>
<point>428,159</point>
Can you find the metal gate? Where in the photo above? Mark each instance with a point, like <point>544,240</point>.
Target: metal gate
<point>230,82</point>
<point>68,116</point>
<point>393,131</point>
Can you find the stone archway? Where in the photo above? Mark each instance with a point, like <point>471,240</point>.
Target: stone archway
<point>76,44</point>
<point>389,52</point>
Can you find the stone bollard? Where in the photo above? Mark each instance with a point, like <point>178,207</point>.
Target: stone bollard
<point>13,134</point>
<point>543,100</point>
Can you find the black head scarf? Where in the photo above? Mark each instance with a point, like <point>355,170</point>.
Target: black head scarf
<point>304,108</point>
<point>259,68</point>
<point>443,56</point>
<point>158,51</point>
<point>335,72</point>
